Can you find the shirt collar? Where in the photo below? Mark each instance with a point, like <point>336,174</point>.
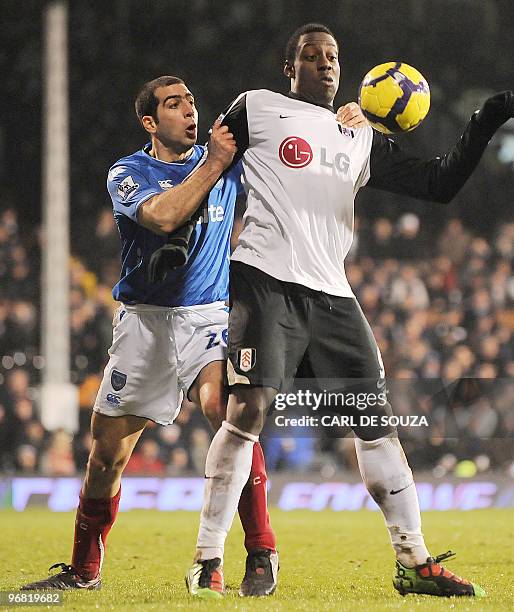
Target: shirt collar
<point>148,146</point>
<point>296,96</point>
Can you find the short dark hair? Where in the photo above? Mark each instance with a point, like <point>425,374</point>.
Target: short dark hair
<point>146,102</point>
<point>292,43</point>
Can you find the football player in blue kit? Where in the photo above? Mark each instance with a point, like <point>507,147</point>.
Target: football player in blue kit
<point>169,336</point>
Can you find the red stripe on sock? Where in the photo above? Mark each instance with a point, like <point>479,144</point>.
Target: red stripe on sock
<point>93,521</point>
<point>253,506</point>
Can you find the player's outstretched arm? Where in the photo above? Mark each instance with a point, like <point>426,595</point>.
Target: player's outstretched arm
<point>439,179</point>
<point>167,211</point>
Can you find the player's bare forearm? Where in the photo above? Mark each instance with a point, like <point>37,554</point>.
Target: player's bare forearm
<point>165,212</point>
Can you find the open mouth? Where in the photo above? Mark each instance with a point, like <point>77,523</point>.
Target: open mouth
<point>191,128</point>
<point>327,79</point>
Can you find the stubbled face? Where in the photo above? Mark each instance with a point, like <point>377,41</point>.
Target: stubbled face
<point>315,72</point>
<point>177,118</point>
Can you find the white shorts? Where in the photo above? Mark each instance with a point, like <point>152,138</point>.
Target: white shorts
<point>156,355</point>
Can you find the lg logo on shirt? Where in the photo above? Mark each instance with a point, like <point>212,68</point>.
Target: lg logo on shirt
<point>295,152</point>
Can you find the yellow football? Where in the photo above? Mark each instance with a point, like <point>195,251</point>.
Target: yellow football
<point>394,97</point>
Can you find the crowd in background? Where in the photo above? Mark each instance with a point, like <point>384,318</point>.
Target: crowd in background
<point>441,308</point>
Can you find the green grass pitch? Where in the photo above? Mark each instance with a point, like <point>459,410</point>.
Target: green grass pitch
<point>329,560</point>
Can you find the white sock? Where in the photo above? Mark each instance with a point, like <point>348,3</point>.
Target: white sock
<point>388,478</point>
<point>227,470</point>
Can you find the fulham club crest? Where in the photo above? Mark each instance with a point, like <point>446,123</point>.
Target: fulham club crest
<point>246,359</point>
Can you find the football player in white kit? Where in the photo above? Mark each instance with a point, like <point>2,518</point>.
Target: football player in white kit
<point>293,312</point>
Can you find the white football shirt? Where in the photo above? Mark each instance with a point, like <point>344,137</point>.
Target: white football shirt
<point>301,172</point>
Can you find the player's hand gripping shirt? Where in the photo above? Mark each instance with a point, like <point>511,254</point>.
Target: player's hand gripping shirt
<point>301,172</point>
<point>204,279</point>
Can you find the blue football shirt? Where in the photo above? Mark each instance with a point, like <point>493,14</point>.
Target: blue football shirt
<point>204,279</point>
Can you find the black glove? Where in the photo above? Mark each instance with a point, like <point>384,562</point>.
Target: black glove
<point>173,254</point>
<point>496,111</point>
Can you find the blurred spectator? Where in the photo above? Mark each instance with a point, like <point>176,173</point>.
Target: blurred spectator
<point>504,241</point>
<point>145,459</point>
<point>380,244</point>
<point>408,291</point>
<point>454,241</point>
<point>81,447</point>
<point>35,435</point>
<point>57,460</point>
<point>408,243</point>
<point>26,459</point>
<point>178,462</point>
<point>107,239</point>
<point>289,452</point>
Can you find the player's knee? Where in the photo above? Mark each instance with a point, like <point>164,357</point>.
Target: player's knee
<point>248,406</point>
<point>105,464</point>
<point>214,409</point>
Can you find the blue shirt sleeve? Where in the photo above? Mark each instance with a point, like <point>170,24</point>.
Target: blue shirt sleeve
<point>128,189</point>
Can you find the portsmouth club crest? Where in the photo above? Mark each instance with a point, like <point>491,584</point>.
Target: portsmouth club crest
<point>118,380</point>
<point>246,359</point>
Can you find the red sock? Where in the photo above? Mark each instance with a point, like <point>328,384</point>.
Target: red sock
<point>94,520</point>
<point>253,508</point>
